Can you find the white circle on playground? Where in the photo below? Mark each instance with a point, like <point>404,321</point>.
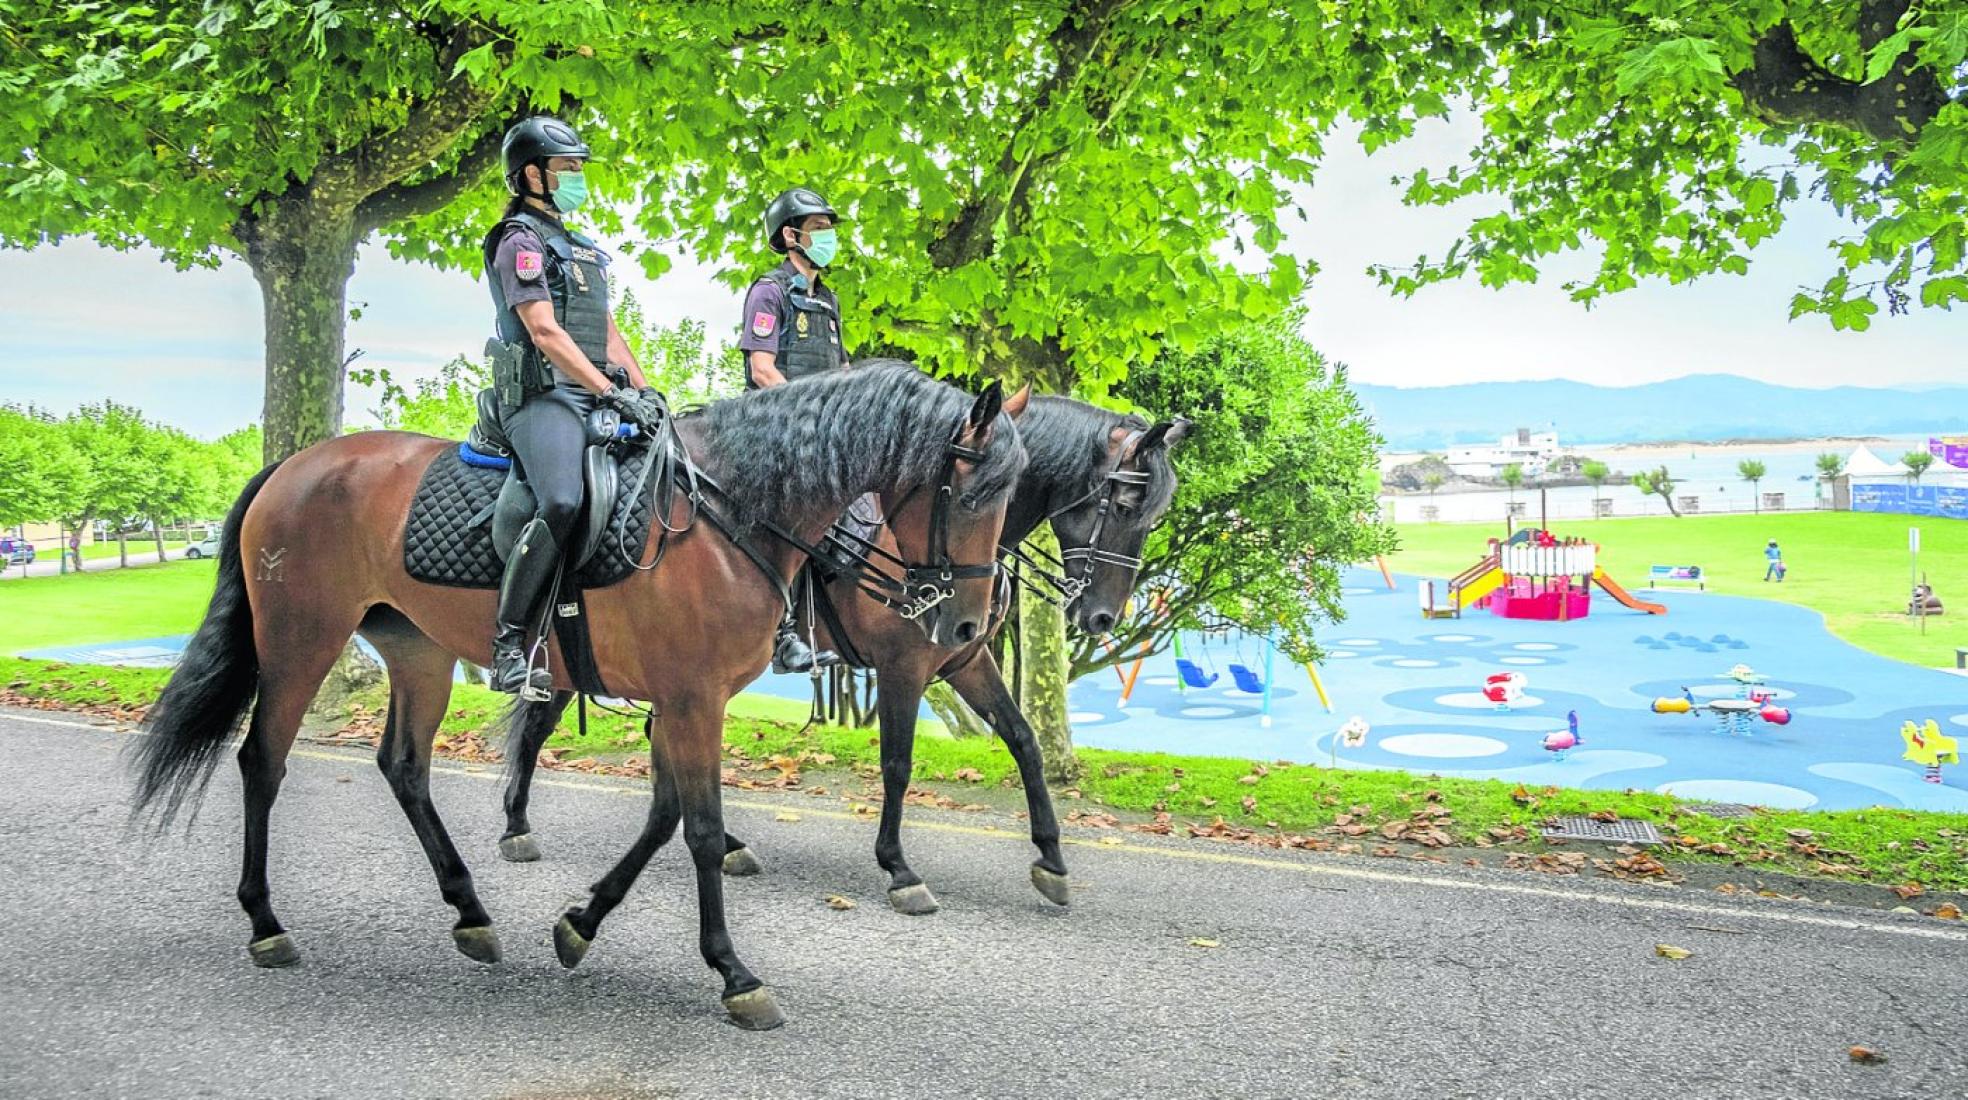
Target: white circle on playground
<point>1362,643</point>
<point>1209,712</point>
<point>1356,590</point>
<point>1443,746</point>
<point>1774,795</point>
<point>1339,654</point>
<point>1415,662</point>
<point>1535,647</point>
<point>1959,719</point>
<point>1476,700</point>
<point>1521,661</point>
<point>1449,638</point>
<point>1160,681</point>
<point>1086,716</point>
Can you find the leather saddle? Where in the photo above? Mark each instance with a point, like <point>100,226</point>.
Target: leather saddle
<point>601,478</point>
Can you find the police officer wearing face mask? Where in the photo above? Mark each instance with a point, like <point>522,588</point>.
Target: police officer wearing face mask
<point>790,330</point>
<point>562,355</point>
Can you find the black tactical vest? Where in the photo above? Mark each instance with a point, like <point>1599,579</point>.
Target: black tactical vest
<point>809,330</point>
<point>577,281</point>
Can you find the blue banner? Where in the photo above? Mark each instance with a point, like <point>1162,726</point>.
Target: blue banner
<point>1947,501</point>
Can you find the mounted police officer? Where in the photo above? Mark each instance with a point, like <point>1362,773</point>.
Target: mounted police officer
<point>558,354</point>
<point>792,329</point>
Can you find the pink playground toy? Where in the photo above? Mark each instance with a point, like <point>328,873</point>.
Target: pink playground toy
<point>1560,742</point>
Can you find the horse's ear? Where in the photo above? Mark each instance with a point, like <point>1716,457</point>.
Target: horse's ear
<point>1179,430</point>
<point>989,403</point>
<point>1014,405</point>
<point>1149,440</point>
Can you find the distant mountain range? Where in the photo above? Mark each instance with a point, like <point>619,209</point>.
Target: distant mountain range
<point>1698,408</point>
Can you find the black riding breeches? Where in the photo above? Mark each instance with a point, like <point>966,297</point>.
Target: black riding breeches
<point>548,434</point>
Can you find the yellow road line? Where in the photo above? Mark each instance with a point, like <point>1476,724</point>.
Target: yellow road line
<point>1765,912</point>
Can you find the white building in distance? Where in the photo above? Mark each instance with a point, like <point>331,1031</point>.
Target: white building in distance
<point>1532,451</point>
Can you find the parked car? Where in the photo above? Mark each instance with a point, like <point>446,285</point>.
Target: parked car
<point>209,548</point>
<point>16,551</point>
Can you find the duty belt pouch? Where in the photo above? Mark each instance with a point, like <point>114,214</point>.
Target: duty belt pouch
<point>508,374</point>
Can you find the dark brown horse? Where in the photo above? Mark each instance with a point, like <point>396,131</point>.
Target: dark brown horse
<point>1103,481</point>
<point>313,552</point>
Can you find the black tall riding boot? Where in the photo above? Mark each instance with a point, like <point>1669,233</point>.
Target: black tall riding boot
<point>529,570</point>
<point>790,653</point>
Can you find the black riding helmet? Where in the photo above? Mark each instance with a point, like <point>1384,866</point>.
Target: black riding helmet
<point>532,142</point>
<point>793,204</point>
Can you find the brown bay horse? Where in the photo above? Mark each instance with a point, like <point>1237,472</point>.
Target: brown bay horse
<point>313,552</point>
<point>1103,481</point>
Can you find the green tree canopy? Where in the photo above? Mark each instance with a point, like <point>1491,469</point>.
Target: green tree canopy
<point>1275,498</point>
<point>1916,463</point>
<point>1673,137</point>
<point>1595,472</point>
<point>1830,464</point>
<point>41,475</point>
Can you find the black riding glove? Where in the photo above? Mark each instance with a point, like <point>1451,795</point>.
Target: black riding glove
<point>628,403</point>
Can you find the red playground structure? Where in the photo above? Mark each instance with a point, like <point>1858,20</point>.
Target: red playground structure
<point>1550,579</point>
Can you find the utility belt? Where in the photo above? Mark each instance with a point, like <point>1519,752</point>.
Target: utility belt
<point>518,371</point>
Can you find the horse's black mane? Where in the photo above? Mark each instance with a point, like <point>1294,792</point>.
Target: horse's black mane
<point>828,436</point>
<point>1068,440</point>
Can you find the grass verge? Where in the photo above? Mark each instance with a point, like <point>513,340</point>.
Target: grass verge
<point>112,605</point>
<point>1850,567</point>
<point>1278,804</point>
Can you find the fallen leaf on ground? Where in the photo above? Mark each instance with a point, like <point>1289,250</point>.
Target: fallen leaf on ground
<point>1669,951</point>
<point>1909,890</point>
<point>835,901</point>
<point>786,815</point>
<point>968,775</point>
<point>1112,840</point>
<point>1948,911</point>
<point>1866,1056</point>
<point>1201,942</point>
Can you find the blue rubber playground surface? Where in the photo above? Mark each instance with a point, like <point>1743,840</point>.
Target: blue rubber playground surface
<point>1417,683</point>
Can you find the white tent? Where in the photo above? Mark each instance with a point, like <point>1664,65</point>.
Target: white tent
<point>1863,463</point>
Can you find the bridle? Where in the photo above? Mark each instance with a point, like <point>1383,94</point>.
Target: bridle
<point>922,585</point>
<point>1076,565</point>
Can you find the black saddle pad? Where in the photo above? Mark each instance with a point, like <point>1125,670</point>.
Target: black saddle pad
<point>448,539</point>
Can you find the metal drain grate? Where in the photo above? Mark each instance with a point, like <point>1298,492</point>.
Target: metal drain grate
<point>1618,831</point>
<point>1719,809</point>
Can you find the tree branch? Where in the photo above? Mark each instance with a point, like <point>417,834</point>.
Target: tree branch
<point>1786,86</point>
<point>400,200</point>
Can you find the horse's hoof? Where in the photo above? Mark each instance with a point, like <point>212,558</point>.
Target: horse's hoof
<point>755,1011</point>
<point>569,945</point>
<point>479,944</point>
<point>274,951</point>
<point>913,901</point>
<point>741,863</point>
<point>519,849</point>
<point>1050,884</point>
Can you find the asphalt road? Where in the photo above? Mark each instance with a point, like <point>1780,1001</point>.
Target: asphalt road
<point>123,969</point>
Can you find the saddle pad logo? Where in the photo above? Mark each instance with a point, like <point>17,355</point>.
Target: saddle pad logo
<point>527,265</point>
<point>763,323</point>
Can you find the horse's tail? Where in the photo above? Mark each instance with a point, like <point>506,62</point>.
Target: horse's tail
<point>190,725</point>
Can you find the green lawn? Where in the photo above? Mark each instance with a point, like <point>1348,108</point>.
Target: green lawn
<point>139,544</point>
<point>143,601</point>
<point>1850,567</point>
<point>1299,805</point>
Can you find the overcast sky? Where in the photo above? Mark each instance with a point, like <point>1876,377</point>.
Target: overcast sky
<point>86,322</point>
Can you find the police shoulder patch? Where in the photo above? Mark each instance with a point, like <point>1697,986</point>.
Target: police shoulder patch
<point>763,323</point>
<point>527,264</point>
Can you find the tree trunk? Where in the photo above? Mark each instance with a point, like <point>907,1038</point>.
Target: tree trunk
<point>157,536</point>
<point>302,256</point>
<point>955,713</point>
<point>1043,676</point>
<point>122,548</point>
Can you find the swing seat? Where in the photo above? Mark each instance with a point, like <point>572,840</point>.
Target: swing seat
<point>1246,680</point>
<point>1193,674</point>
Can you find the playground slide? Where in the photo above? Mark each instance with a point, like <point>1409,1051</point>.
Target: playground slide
<point>1482,584</point>
<point>1614,590</point>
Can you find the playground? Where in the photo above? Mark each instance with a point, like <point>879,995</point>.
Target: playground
<point>1419,686</point>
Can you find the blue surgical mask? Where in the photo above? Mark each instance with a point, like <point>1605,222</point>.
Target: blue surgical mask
<point>571,192</point>
<point>825,244</point>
